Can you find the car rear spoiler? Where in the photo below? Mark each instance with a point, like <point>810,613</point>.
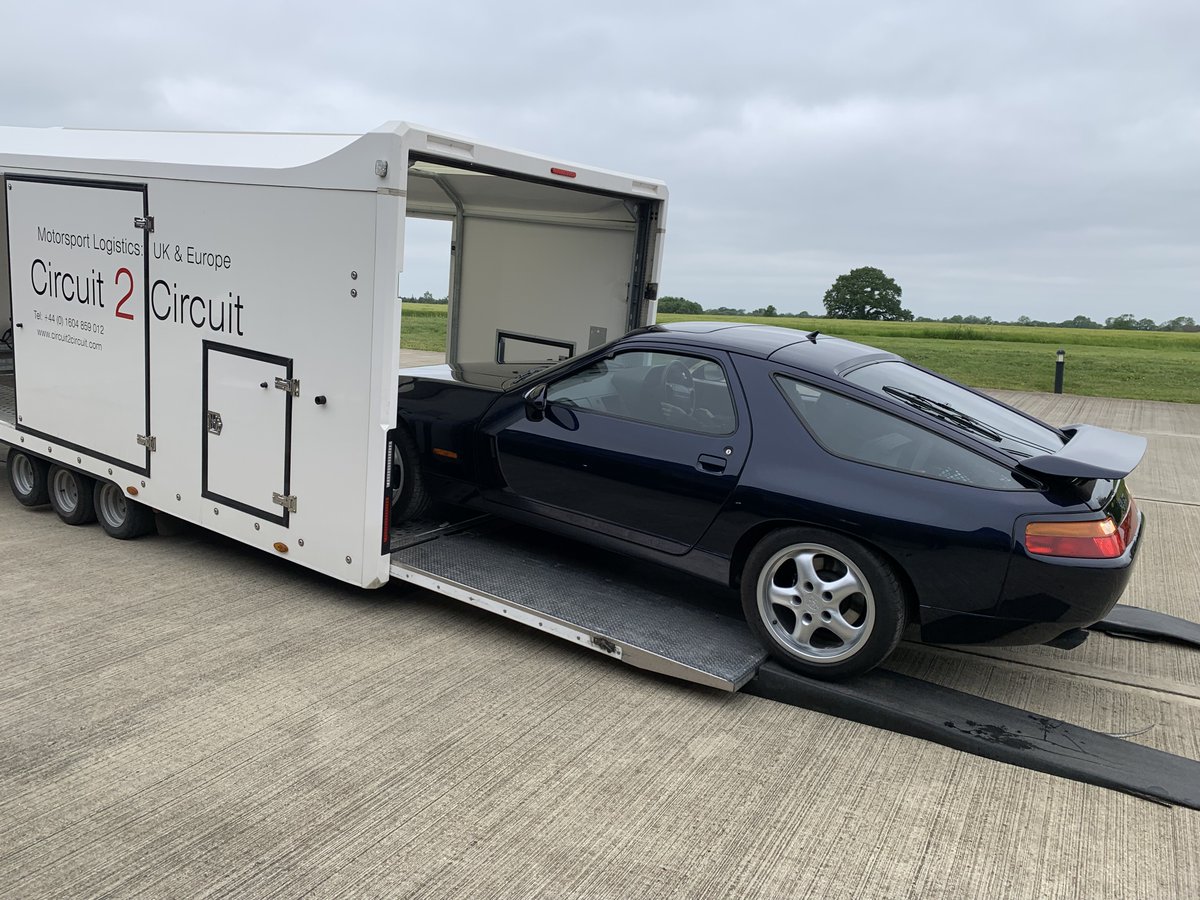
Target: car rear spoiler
<point>1090,452</point>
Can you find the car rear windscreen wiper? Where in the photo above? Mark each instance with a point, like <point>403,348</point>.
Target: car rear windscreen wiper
<point>945,412</point>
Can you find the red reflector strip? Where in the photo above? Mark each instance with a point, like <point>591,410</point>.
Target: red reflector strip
<point>565,173</point>
<point>1098,539</point>
<point>449,454</point>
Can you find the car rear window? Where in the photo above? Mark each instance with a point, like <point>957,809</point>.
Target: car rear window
<point>981,417</point>
<point>858,431</point>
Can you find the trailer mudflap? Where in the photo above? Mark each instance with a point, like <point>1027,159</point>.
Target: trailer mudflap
<point>986,728</point>
<point>610,604</point>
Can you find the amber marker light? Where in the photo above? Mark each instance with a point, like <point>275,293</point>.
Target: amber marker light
<point>1098,539</point>
<point>448,454</point>
<point>280,546</point>
<point>131,491</point>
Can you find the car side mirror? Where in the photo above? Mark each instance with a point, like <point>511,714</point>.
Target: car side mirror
<point>536,403</point>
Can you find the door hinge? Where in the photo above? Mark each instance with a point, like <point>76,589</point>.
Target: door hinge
<point>149,441</point>
<point>212,421</point>
<point>287,501</point>
<point>146,223</point>
<point>291,385</point>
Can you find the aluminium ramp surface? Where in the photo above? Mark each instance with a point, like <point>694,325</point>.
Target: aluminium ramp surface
<point>626,609</point>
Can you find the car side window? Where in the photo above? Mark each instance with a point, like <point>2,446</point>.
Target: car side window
<point>669,389</point>
<point>860,432</point>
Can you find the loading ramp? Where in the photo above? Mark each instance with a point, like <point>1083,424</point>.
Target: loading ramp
<point>631,611</point>
<point>665,622</point>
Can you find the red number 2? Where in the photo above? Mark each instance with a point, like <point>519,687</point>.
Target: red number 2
<point>129,293</point>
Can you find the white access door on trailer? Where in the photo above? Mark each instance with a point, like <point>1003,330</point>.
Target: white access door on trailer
<point>77,255</point>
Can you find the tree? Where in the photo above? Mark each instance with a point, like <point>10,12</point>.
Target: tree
<point>679,305</point>
<point>866,293</point>
<point>767,312</point>
<point>1123,322</point>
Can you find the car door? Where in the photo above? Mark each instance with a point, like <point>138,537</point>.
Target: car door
<point>646,445</point>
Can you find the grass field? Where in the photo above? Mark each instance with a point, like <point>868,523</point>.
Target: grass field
<point>1143,365</point>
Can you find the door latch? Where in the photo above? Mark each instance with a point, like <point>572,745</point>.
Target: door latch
<point>213,421</point>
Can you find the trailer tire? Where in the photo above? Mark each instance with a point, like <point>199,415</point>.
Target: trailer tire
<point>822,603</point>
<point>410,499</point>
<point>28,477</point>
<point>119,516</point>
<point>71,496</point>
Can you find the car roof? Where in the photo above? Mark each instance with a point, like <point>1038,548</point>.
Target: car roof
<point>791,346</point>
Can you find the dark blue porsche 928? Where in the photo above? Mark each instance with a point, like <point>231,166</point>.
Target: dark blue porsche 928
<point>846,493</point>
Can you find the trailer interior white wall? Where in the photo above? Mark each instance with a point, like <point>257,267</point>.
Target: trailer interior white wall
<point>540,270</point>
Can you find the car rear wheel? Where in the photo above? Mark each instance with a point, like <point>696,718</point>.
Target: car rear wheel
<point>410,500</point>
<point>27,476</point>
<point>119,516</point>
<point>823,604</point>
<point>71,496</point>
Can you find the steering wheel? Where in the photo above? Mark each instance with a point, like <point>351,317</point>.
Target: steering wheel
<point>679,387</point>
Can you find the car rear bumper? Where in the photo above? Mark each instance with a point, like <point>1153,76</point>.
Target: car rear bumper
<point>1042,599</point>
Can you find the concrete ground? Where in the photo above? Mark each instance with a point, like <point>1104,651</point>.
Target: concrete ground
<point>181,716</point>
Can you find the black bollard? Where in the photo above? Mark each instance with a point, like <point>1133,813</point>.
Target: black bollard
<point>1059,363</point>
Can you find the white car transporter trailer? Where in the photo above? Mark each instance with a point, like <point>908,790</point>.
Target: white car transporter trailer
<point>208,324</point>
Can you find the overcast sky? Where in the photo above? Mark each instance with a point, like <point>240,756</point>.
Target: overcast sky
<point>1007,159</point>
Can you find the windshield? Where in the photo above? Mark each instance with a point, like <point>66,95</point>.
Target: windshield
<point>981,417</point>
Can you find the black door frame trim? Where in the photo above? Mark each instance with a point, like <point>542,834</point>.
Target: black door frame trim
<point>144,468</point>
<point>280,518</point>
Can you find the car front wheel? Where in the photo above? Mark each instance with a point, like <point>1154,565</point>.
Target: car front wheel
<point>410,500</point>
<point>823,604</point>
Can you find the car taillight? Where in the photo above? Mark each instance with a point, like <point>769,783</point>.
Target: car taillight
<point>1098,539</point>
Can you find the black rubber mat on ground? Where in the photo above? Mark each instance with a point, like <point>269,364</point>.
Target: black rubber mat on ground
<point>985,728</point>
<point>1147,625</point>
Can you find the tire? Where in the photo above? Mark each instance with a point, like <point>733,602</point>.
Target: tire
<point>28,477</point>
<point>119,516</point>
<point>823,604</point>
<point>71,496</point>
<point>410,499</point>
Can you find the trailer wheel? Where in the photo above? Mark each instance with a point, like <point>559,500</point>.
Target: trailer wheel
<point>27,476</point>
<point>119,516</point>
<point>71,496</point>
<point>410,499</point>
<point>823,604</point>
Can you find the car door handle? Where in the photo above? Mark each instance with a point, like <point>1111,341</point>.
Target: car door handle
<point>709,463</point>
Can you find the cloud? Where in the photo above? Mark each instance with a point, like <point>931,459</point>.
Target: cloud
<point>998,159</point>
